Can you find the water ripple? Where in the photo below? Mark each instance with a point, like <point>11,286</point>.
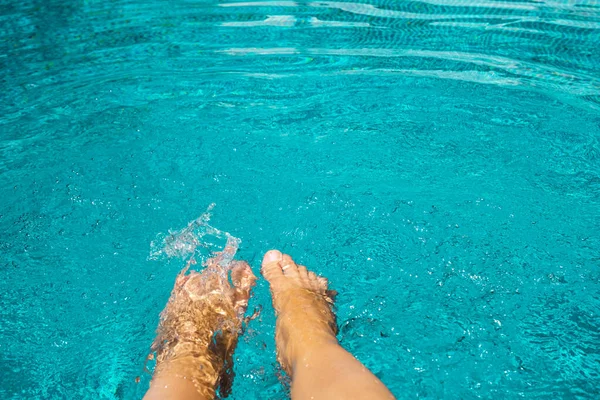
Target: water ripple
<point>550,46</point>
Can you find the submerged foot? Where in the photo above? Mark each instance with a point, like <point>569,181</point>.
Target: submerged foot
<point>200,325</point>
<point>303,306</point>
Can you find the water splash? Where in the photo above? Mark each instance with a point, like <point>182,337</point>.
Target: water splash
<point>194,241</point>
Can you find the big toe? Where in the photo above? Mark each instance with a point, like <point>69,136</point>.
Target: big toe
<point>243,280</point>
<point>242,276</point>
<point>271,265</point>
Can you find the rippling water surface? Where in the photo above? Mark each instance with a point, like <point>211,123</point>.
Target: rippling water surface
<point>438,160</point>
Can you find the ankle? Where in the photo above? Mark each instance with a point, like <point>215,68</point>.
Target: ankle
<point>307,349</point>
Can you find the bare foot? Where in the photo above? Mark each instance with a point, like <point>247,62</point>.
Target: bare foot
<point>303,305</point>
<point>305,334</point>
<point>199,328</point>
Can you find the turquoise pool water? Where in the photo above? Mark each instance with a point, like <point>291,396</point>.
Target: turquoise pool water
<point>438,160</point>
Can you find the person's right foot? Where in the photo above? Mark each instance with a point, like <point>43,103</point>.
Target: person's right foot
<point>303,307</point>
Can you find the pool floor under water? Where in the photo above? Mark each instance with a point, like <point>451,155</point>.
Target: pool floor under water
<point>438,161</point>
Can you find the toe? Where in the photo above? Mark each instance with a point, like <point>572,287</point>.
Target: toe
<point>243,280</point>
<point>271,265</point>
<point>316,282</point>
<point>289,267</point>
<point>303,272</point>
<point>323,283</point>
<point>242,276</point>
<point>182,278</point>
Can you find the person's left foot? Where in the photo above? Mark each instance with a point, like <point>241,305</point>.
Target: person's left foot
<point>200,325</point>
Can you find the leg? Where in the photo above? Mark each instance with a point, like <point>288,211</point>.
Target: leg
<point>306,343</point>
<point>198,332</point>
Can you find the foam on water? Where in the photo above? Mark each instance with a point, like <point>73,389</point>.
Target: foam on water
<point>188,243</point>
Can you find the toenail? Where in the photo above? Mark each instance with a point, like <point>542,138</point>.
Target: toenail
<point>272,256</point>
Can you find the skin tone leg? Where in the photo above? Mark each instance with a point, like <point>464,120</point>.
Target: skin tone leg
<point>189,367</point>
<point>306,337</point>
<point>198,332</point>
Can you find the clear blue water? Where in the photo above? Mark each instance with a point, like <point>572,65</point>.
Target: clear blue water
<point>438,160</point>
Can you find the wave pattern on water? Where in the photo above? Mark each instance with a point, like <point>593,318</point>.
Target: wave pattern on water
<point>546,46</point>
